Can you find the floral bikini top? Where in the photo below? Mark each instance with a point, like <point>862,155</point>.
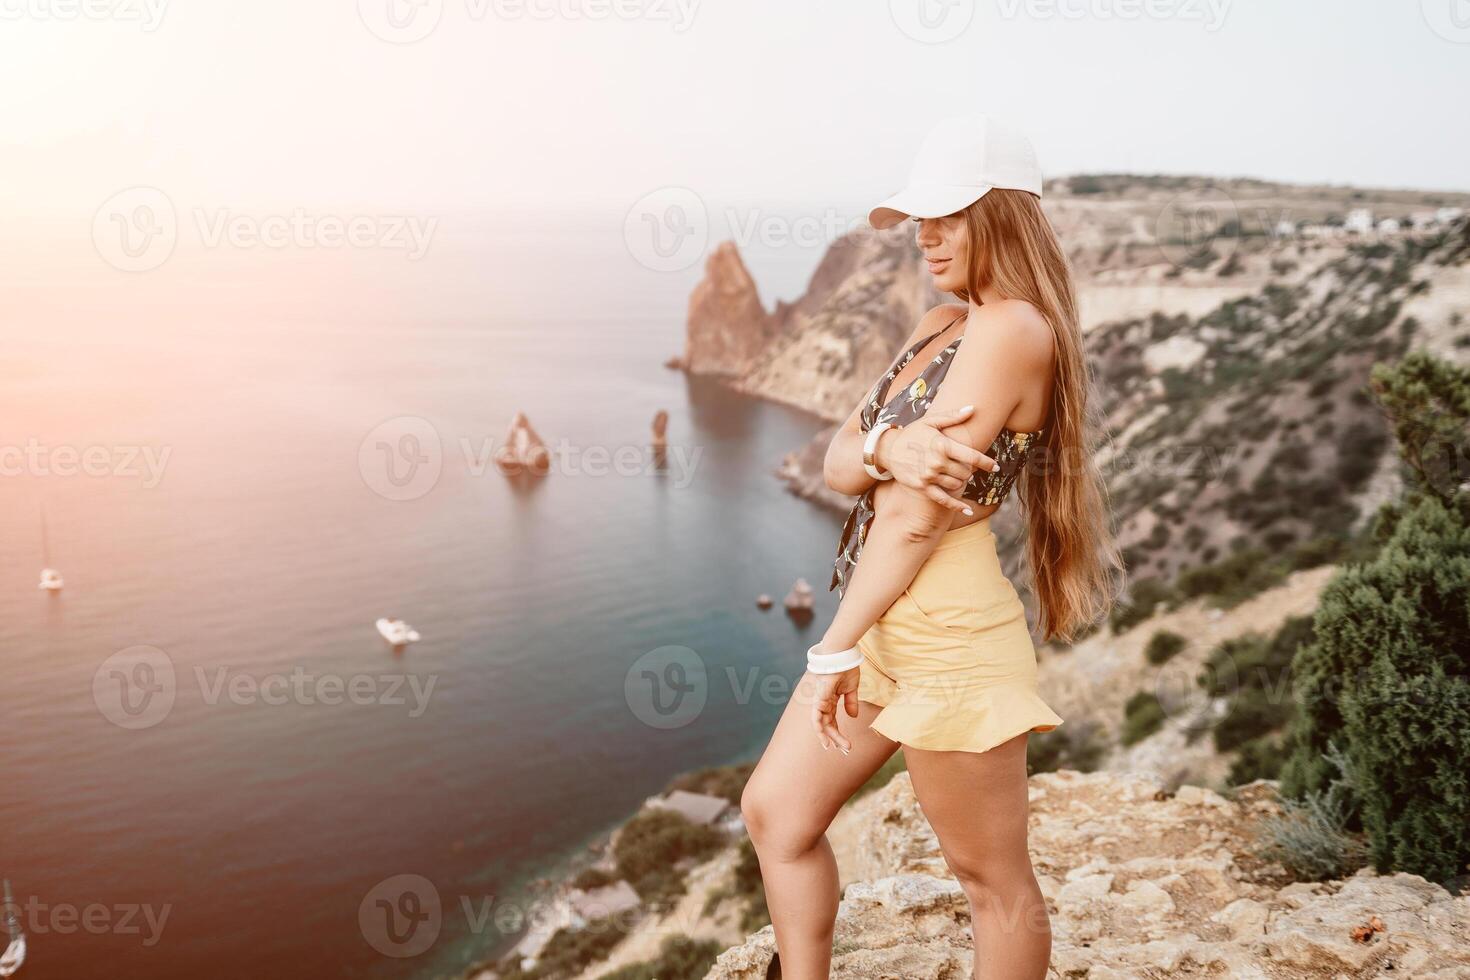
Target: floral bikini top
<point>1009,450</point>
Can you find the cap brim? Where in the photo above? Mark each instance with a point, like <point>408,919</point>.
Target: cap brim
<point>926,201</point>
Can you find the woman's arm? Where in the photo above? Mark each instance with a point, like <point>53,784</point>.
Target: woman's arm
<point>842,468</point>
<point>1007,348</point>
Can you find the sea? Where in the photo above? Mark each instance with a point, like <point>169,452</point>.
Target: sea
<point>240,459</point>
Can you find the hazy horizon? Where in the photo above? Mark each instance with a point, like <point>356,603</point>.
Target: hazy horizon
<point>534,106</point>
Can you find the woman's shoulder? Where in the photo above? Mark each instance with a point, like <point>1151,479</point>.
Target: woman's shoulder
<point>935,320</point>
<point>1016,325</point>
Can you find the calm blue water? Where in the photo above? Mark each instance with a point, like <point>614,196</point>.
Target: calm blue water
<point>257,819</point>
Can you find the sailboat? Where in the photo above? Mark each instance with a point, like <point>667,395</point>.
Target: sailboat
<point>50,577</point>
<point>15,951</point>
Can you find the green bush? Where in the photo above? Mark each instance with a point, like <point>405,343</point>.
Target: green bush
<point>746,884</point>
<point>590,878</point>
<point>1078,745</point>
<point>1162,646</point>
<point>569,951</point>
<point>1260,758</point>
<point>1388,675</point>
<point>1142,716</point>
<point>1311,838</point>
<point>679,958</point>
<point>1146,594</point>
<point>651,844</point>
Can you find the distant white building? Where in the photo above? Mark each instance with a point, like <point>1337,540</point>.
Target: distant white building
<point>1359,220</point>
<point>698,808</point>
<point>599,902</point>
<point>1445,215</point>
<point>1388,226</point>
<point>1285,228</point>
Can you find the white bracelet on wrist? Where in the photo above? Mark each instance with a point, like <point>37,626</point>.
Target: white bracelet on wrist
<point>870,451</point>
<point>832,663</point>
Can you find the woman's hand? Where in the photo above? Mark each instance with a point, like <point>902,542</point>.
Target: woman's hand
<point>830,688</point>
<point>924,459</point>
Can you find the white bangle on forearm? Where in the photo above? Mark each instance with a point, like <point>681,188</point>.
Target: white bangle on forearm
<point>832,663</point>
<point>870,450</point>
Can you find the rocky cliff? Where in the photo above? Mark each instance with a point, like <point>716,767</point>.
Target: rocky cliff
<point>1139,882</point>
<point>1231,377</point>
<point>821,352</point>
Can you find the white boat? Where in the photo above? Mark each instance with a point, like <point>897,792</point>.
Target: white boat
<point>15,950</point>
<point>13,957</point>
<point>397,632</point>
<point>50,577</point>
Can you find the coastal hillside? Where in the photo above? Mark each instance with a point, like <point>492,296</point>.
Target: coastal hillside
<point>1231,370</point>
<point>1140,882</point>
<point>1140,879</point>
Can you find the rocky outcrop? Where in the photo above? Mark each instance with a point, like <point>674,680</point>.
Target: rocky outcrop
<point>823,351</point>
<point>728,327</point>
<point>1139,883</point>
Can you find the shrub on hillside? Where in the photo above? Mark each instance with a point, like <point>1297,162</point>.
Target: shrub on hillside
<point>1142,716</point>
<point>679,958</point>
<point>650,845</point>
<point>1077,746</point>
<point>1162,646</point>
<point>1388,674</point>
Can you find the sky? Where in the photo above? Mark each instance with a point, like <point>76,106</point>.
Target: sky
<point>566,104</point>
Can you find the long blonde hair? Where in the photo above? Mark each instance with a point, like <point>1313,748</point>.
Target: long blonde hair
<point>1071,554</point>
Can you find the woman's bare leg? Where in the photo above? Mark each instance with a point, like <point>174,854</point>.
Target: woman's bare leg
<point>977,802</point>
<point>788,804</point>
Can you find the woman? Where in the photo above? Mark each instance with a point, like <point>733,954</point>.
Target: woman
<point>929,648</point>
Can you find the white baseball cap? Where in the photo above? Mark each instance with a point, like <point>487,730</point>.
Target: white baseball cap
<point>961,160</point>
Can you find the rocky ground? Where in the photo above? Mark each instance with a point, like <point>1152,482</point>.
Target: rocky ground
<point>1139,883</point>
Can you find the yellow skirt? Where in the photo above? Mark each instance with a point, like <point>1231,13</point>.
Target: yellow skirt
<point>951,662</point>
